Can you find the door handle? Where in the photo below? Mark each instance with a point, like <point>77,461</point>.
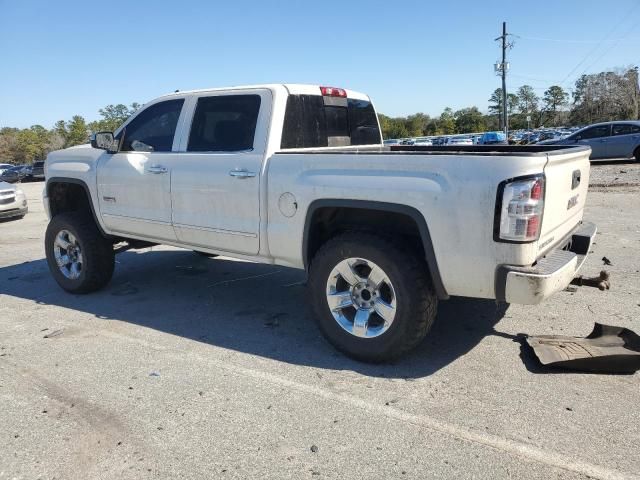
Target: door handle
<point>242,173</point>
<point>157,169</point>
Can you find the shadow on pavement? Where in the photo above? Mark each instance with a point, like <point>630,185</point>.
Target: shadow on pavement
<point>252,308</point>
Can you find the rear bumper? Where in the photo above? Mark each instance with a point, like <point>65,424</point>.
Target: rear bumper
<point>551,274</point>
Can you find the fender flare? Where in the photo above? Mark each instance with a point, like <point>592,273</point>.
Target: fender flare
<point>411,212</point>
<point>83,184</point>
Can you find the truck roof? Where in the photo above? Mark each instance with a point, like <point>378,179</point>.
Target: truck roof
<point>292,88</point>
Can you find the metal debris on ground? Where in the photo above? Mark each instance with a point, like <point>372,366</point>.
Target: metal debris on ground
<point>55,333</point>
<point>607,349</point>
<point>601,282</point>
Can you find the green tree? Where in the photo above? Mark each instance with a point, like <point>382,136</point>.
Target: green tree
<point>416,124</point>
<point>528,106</point>
<point>469,120</point>
<point>112,117</point>
<point>447,123</point>
<point>554,98</point>
<point>73,132</point>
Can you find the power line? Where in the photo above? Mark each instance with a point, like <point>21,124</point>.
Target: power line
<point>533,79</point>
<point>592,51</point>
<point>560,40</point>
<point>633,27</point>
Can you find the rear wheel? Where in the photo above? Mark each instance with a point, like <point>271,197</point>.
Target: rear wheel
<point>80,259</point>
<point>637,154</point>
<point>372,298</point>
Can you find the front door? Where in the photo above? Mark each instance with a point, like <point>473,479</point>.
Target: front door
<point>215,181</point>
<point>134,185</point>
<point>596,137</point>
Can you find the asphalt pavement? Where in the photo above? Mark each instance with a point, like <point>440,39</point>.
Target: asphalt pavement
<point>190,367</point>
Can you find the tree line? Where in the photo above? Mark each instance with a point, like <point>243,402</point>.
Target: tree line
<point>605,96</point>
<point>26,145</point>
<point>599,97</point>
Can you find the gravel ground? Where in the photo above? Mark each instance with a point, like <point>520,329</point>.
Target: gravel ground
<point>188,367</point>
<point>614,174</point>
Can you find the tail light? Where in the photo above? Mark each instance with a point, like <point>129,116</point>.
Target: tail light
<point>333,92</point>
<point>519,210</point>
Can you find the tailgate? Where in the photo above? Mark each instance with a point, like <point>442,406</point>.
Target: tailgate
<point>566,185</point>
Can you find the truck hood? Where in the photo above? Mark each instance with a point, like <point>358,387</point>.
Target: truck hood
<point>73,162</point>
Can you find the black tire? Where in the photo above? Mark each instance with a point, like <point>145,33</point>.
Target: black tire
<point>637,154</point>
<point>205,254</point>
<point>98,258</point>
<point>416,303</point>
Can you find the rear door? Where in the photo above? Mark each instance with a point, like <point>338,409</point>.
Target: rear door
<point>134,184</point>
<point>624,139</point>
<point>596,137</point>
<point>215,180</point>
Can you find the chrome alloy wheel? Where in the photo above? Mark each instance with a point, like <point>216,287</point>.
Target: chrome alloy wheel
<point>68,254</point>
<point>361,297</point>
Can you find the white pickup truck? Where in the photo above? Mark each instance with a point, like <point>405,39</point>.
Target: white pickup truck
<point>297,175</point>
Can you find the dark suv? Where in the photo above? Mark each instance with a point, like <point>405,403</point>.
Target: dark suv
<point>37,170</point>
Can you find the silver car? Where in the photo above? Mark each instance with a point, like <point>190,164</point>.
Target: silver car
<point>13,201</point>
<point>607,140</point>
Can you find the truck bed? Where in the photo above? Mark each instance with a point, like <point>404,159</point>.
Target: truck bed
<point>481,150</point>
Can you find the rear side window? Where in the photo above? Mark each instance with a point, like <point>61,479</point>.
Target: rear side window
<point>310,122</point>
<point>626,129</point>
<point>153,129</point>
<point>225,123</point>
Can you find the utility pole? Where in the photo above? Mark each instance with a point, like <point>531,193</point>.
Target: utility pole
<point>505,110</point>
<point>501,68</point>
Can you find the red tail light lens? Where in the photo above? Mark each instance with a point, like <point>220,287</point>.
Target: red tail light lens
<point>536,190</point>
<point>521,210</point>
<point>333,92</point>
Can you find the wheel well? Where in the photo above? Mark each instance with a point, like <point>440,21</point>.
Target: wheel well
<point>327,218</point>
<point>326,222</point>
<point>67,197</point>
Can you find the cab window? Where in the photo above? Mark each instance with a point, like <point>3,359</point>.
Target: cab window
<point>225,123</point>
<point>153,129</point>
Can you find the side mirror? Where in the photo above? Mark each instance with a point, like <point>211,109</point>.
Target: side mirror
<point>104,141</point>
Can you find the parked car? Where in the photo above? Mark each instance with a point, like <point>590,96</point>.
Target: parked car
<point>607,140</point>
<point>37,170</point>
<point>493,138</point>
<point>5,166</point>
<point>13,201</point>
<point>14,174</point>
<point>459,141</point>
<point>425,142</point>
<point>392,141</point>
<point>384,234</point>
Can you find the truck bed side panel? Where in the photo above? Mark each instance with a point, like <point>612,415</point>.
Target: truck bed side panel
<point>455,193</point>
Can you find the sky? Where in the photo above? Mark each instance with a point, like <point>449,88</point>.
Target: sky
<point>65,58</point>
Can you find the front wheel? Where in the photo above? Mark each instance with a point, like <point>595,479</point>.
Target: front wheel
<point>80,259</point>
<point>372,297</point>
